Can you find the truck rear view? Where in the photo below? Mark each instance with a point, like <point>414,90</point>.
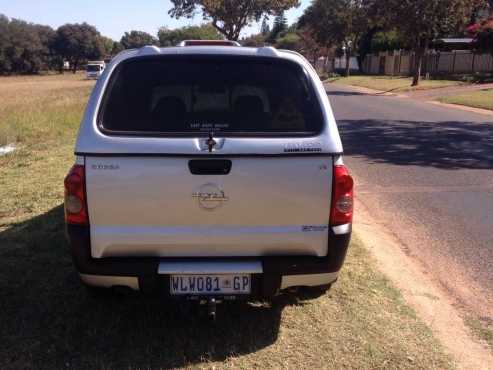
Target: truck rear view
<point>209,173</point>
<point>94,69</point>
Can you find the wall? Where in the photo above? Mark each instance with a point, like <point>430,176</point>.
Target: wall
<point>401,63</point>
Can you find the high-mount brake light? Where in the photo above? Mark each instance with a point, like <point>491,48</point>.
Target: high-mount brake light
<point>75,196</point>
<point>209,43</point>
<point>341,211</point>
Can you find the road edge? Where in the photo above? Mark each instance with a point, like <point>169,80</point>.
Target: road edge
<point>367,91</point>
<point>462,107</point>
<point>431,303</point>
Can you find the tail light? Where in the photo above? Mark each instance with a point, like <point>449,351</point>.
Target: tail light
<point>341,211</point>
<point>75,196</point>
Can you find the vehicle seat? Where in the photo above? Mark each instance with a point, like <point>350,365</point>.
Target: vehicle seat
<point>249,110</point>
<point>169,112</point>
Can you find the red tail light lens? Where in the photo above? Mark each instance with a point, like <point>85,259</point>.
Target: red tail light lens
<point>341,211</point>
<point>75,196</point>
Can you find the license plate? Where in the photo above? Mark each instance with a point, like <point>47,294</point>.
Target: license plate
<point>210,284</point>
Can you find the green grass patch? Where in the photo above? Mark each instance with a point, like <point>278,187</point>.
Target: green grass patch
<point>476,99</point>
<point>392,84</point>
<point>481,329</point>
<point>49,321</point>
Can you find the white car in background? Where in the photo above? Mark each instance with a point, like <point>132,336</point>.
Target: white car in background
<point>94,69</point>
<point>209,172</point>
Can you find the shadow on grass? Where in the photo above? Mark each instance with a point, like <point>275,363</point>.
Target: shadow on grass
<point>447,145</point>
<point>49,321</point>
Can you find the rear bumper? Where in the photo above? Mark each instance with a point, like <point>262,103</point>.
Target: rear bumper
<point>279,272</point>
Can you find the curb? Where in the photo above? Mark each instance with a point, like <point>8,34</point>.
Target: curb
<point>466,108</point>
<point>367,91</point>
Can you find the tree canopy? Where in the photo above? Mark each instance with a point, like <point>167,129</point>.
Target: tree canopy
<point>337,23</point>
<point>419,22</point>
<point>169,37</point>
<point>137,39</point>
<point>374,24</point>
<point>229,17</point>
<point>77,43</point>
<point>280,25</point>
<point>483,34</point>
<point>24,47</point>
<point>265,28</point>
<point>289,41</point>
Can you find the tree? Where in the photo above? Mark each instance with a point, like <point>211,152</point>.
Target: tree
<point>229,17</point>
<point>24,47</point>
<point>386,41</point>
<point>309,46</point>
<point>77,43</point>
<point>337,23</point>
<point>419,22</point>
<point>483,41</point>
<point>169,37</point>
<point>289,41</point>
<point>265,28</point>
<point>107,46</point>
<point>117,47</point>
<point>4,44</point>
<point>280,25</point>
<point>137,39</point>
<point>254,41</point>
<point>379,21</point>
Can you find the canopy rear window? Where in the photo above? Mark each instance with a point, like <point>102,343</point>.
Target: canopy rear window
<point>196,95</point>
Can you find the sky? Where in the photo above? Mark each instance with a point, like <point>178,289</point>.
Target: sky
<point>112,17</point>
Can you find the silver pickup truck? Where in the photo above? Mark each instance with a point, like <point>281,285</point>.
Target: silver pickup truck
<point>209,172</point>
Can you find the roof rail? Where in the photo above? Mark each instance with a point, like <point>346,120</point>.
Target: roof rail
<point>267,51</point>
<point>148,50</point>
<point>209,43</point>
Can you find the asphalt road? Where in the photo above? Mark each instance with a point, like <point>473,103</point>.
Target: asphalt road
<point>425,172</point>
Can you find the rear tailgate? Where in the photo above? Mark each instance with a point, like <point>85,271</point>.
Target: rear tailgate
<point>155,206</point>
<point>266,125</point>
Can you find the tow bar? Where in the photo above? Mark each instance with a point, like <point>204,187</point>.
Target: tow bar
<point>211,308</point>
<point>212,303</point>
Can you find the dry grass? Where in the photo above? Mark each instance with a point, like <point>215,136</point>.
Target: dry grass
<point>392,84</point>
<point>482,328</point>
<point>476,99</point>
<point>48,320</point>
<point>38,107</point>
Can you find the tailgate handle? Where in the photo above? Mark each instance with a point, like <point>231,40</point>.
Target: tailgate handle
<point>209,166</point>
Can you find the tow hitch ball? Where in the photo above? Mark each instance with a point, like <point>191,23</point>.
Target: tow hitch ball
<point>211,304</point>
<point>211,308</point>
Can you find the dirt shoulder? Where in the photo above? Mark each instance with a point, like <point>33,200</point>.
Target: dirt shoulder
<point>433,305</point>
